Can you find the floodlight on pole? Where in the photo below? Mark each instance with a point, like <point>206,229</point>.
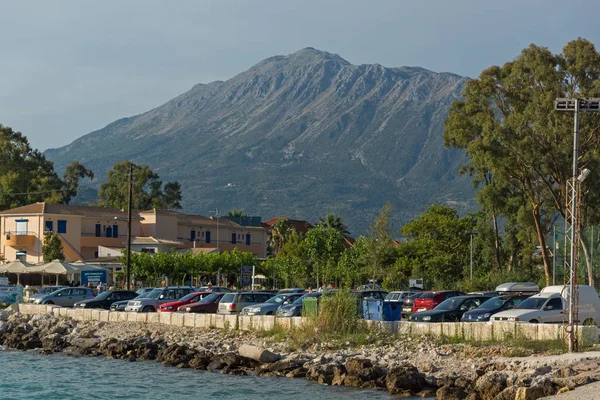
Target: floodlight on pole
<point>571,212</point>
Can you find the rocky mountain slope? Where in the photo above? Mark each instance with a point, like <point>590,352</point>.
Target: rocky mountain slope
<point>299,136</point>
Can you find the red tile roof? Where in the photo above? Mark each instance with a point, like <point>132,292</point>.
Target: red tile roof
<point>300,225</point>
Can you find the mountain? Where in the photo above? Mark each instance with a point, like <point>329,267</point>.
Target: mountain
<point>299,136</point>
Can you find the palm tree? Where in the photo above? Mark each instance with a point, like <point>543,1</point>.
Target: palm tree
<point>335,222</point>
<point>236,212</point>
<point>279,234</point>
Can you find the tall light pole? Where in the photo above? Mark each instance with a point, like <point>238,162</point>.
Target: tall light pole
<point>572,231</point>
<point>472,232</point>
<point>129,201</point>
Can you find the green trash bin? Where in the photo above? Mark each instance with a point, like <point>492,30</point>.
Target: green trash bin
<point>310,307</point>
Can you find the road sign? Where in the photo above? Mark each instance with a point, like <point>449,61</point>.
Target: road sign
<point>246,276</point>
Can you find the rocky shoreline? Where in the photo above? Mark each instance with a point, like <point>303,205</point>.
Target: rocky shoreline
<point>402,367</point>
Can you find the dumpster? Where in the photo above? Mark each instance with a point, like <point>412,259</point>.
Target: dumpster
<point>391,310</point>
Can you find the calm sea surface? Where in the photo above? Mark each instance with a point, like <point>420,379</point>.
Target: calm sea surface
<point>27,375</point>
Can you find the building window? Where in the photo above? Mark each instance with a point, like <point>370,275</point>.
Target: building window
<point>95,254</point>
<point>149,250</point>
<point>21,255</point>
<point>61,226</point>
<point>98,230</point>
<point>233,238</point>
<point>21,226</point>
<point>207,237</point>
<point>115,231</point>
<point>49,226</point>
<point>192,235</point>
<point>247,239</point>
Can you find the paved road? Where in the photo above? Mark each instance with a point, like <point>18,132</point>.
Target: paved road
<point>586,392</point>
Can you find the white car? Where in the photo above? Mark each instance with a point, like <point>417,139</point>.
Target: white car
<point>551,306</point>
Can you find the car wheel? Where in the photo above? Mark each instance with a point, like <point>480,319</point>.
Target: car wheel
<point>269,313</point>
<point>49,302</point>
<point>534,321</point>
<point>589,322</point>
<point>148,309</point>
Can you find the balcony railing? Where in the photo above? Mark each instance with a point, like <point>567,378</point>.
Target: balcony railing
<point>20,238</point>
<point>103,235</point>
<point>214,241</point>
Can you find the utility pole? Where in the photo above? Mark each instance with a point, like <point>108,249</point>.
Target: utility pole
<point>572,219</point>
<point>129,201</point>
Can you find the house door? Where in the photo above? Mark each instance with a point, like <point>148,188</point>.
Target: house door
<point>98,230</point>
<point>207,237</point>
<point>108,231</point>
<point>192,235</point>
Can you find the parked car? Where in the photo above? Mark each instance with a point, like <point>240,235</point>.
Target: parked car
<point>66,297</point>
<point>489,294</point>
<point>105,299</point>
<point>120,305</point>
<point>188,299</point>
<point>450,310</point>
<point>493,306</point>
<point>518,287</point>
<point>550,305</point>
<point>291,290</point>
<point>144,290</point>
<point>217,289</point>
<point>232,303</point>
<point>209,304</point>
<point>295,309</point>
<point>270,306</point>
<point>408,304</point>
<point>157,297</point>
<point>398,296</point>
<point>430,300</point>
<point>44,290</point>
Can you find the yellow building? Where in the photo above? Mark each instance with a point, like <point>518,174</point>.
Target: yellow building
<point>83,229</point>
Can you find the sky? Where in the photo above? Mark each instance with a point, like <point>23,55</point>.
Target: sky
<point>69,67</point>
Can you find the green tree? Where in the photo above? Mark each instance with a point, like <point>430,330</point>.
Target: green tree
<point>437,246</point>
<point>27,177</point>
<point>279,235</point>
<point>380,253</point>
<point>324,247</point>
<point>512,134</point>
<point>236,212</point>
<point>52,249</point>
<point>148,190</point>
<point>335,222</point>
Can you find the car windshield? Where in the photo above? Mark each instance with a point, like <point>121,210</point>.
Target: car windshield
<point>103,295</point>
<point>188,297</point>
<point>277,299</point>
<point>210,298</point>
<point>493,303</point>
<point>153,294</point>
<point>532,303</point>
<point>450,304</point>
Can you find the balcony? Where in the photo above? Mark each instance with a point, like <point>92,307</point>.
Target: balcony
<point>20,239</point>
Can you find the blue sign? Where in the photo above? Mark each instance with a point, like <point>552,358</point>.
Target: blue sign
<point>246,276</point>
<point>93,277</point>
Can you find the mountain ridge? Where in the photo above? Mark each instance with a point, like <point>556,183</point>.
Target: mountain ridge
<point>362,134</point>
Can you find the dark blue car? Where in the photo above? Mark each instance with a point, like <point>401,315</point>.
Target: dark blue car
<point>493,306</point>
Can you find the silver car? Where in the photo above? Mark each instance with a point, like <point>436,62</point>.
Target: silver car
<point>66,297</point>
<point>157,297</point>
<point>44,291</point>
<point>232,303</point>
<point>270,306</point>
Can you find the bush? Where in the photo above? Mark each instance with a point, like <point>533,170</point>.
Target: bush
<point>339,314</point>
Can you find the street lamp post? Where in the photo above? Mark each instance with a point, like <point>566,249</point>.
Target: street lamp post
<point>472,232</point>
<point>129,201</point>
<point>575,106</point>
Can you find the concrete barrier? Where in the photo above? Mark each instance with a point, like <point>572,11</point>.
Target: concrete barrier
<point>474,331</point>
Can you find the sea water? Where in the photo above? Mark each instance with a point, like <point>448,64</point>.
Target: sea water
<point>28,375</point>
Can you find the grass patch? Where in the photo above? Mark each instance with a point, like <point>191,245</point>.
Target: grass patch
<point>510,346</point>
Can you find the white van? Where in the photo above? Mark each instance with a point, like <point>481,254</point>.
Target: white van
<point>551,304</point>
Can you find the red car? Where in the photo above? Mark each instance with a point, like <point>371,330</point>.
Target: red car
<point>430,300</point>
<point>209,304</point>
<point>190,298</point>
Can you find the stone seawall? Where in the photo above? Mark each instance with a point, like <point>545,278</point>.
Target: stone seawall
<point>477,331</point>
